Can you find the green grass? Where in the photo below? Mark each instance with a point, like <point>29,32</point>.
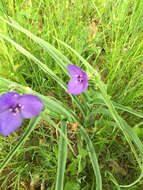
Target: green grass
<point>108,35</point>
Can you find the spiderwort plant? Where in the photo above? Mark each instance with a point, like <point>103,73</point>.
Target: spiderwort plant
<point>14,107</point>
<point>79,81</point>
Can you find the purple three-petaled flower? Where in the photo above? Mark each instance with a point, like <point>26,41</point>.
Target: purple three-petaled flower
<point>13,108</point>
<point>79,81</point>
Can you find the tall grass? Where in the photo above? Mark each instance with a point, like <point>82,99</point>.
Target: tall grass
<point>106,41</point>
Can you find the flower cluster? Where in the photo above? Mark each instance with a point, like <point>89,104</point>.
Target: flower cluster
<point>14,107</point>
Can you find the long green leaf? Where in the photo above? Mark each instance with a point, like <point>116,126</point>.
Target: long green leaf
<point>62,156</point>
<point>52,123</point>
<point>38,62</point>
<point>93,158</point>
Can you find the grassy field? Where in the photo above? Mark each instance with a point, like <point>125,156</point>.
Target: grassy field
<point>78,142</point>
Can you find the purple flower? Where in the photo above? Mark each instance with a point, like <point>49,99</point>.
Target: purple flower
<point>14,107</point>
<point>79,81</point>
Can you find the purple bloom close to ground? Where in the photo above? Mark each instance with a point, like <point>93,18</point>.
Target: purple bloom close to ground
<point>79,81</point>
<point>13,108</point>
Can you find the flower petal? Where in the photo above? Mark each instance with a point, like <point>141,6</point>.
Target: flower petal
<point>74,70</point>
<point>74,86</point>
<point>8,100</point>
<point>9,122</point>
<point>32,105</point>
<point>85,82</point>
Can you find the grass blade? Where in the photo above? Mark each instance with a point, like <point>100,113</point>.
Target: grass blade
<point>29,129</point>
<point>53,52</point>
<point>39,63</point>
<point>62,156</point>
<point>87,65</point>
<point>51,122</point>
<point>93,158</point>
<point>120,107</point>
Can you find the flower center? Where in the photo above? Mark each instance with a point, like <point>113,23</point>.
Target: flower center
<point>80,78</point>
<point>16,109</point>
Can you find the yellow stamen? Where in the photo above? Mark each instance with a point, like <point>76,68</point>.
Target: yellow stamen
<point>16,109</point>
<point>10,109</point>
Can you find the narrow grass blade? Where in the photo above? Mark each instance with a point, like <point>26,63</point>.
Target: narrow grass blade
<point>103,111</point>
<point>53,52</point>
<point>87,65</point>
<point>31,126</point>
<point>134,138</point>
<point>39,63</point>
<point>114,181</point>
<point>93,158</point>
<point>120,107</point>
<point>135,182</point>
<point>62,156</point>
<point>52,123</point>
<point>126,129</point>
